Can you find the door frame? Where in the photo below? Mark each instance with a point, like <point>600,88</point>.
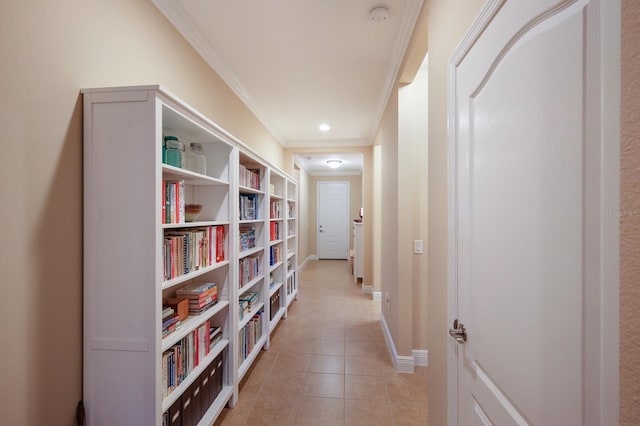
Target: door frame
<point>602,319</point>
<point>346,219</point>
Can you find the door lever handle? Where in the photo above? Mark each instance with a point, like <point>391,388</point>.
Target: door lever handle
<point>458,332</point>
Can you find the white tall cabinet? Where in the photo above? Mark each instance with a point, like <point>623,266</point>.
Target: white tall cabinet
<point>126,277</point>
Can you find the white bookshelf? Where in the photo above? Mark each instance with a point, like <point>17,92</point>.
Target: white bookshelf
<point>125,279</point>
<point>291,262</point>
<point>251,207</point>
<point>277,246</point>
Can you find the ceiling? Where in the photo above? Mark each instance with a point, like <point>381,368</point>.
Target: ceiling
<point>299,63</point>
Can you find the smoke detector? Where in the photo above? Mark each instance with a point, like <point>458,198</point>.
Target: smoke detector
<point>379,14</point>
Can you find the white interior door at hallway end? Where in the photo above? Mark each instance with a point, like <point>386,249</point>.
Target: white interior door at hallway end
<point>532,260</point>
<point>333,220</point>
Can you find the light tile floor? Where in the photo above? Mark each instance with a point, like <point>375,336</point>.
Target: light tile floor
<point>328,363</point>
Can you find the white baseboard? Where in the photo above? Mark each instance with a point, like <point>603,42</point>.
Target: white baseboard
<point>402,364</point>
<point>420,357</point>
<point>377,296</point>
<point>367,289</point>
<point>306,261</point>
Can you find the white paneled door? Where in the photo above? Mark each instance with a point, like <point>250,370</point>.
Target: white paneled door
<point>533,166</point>
<point>333,220</point>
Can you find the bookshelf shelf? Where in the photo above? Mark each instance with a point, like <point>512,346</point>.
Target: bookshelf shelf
<point>251,221</point>
<point>244,367</point>
<point>275,288</point>
<point>250,315</point>
<point>191,275</point>
<point>136,235</point>
<point>291,297</point>
<point>251,251</point>
<point>278,316</point>
<point>216,408</point>
<point>190,323</point>
<point>251,284</point>
<point>246,190</point>
<point>173,396</point>
<point>193,224</point>
<point>191,178</point>
<point>275,266</point>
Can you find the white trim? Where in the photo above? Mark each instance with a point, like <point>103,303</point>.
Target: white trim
<point>326,143</point>
<point>420,357</point>
<point>377,296</point>
<point>336,173</point>
<point>306,261</point>
<point>185,26</point>
<point>409,19</point>
<point>610,28</point>
<point>402,364</point>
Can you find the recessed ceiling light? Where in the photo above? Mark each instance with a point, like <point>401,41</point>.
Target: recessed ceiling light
<point>334,164</point>
<point>324,127</point>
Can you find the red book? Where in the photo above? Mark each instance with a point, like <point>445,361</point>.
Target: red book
<point>219,243</point>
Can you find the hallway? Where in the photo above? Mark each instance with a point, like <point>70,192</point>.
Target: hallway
<point>328,363</point>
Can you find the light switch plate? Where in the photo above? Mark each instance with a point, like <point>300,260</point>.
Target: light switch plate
<point>417,247</point>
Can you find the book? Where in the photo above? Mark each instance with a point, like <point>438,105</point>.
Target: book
<point>220,235</point>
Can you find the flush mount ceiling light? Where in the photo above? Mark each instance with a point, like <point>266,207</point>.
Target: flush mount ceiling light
<point>379,14</point>
<point>324,127</point>
<point>334,164</point>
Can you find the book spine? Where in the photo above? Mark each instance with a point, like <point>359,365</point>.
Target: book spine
<point>220,234</point>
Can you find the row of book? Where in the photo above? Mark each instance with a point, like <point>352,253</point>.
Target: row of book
<point>248,207</point>
<point>249,177</point>
<point>291,209</point>
<point>275,209</point>
<point>173,201</point>
<point>275,231</point>
<point>170,320</point>
<point>201,296</point>
<point>247,302</point>
<point>249,269</point>
<point>180,360</point>
<point>247,238</point>
<point>249,336</point>
<point>187,250</point>
<point>275,255</point>
<point>194,402</point>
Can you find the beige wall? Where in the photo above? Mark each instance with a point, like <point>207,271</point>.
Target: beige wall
<point>413,201</point>
<point>377,222</point>
<point>448,23</point>
<point>50,50</point>
<point>403,139</point>
<point>630,225</point>
<point>388,140</point>
<point>303,217</point>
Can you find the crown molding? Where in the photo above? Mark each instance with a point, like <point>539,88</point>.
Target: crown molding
<point>172,10</point>
<point>409,19</point>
